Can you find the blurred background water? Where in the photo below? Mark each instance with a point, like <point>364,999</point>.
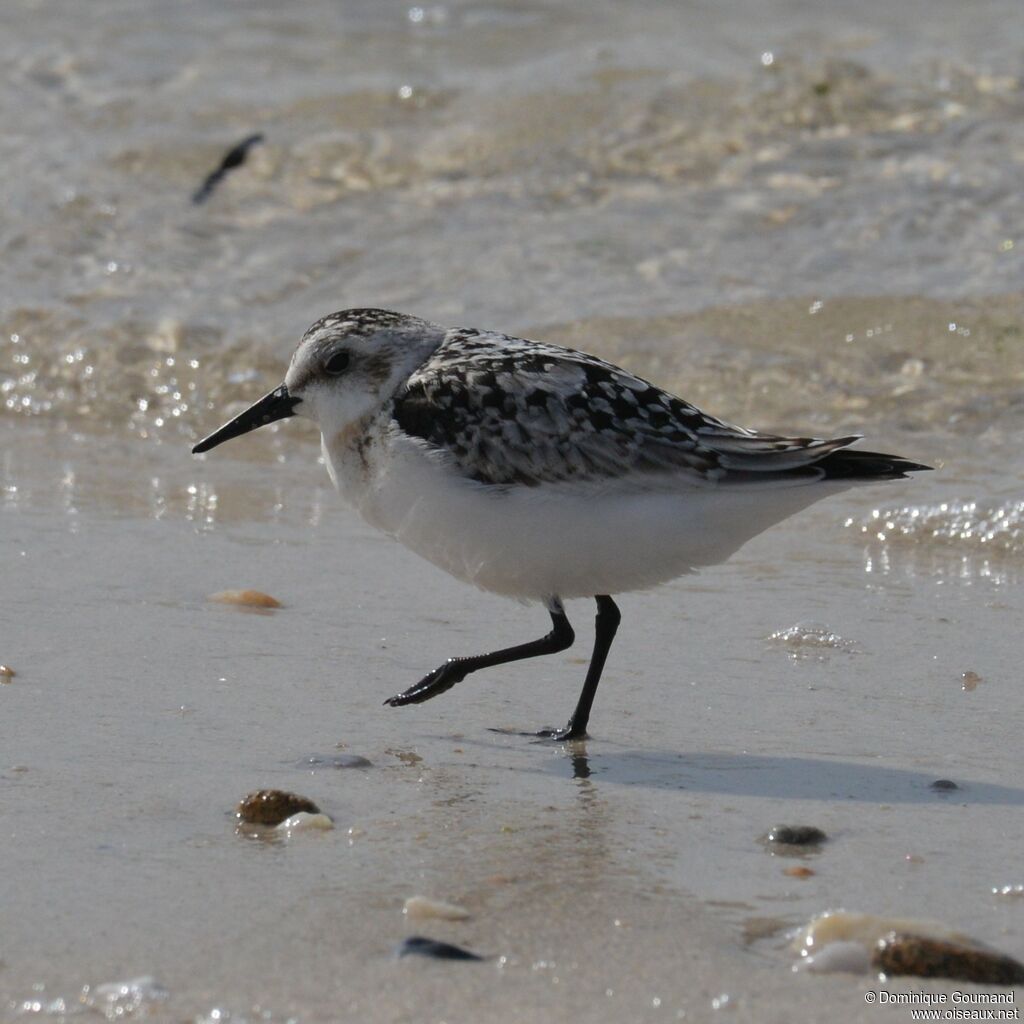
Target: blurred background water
<point>799,215</point>
<point>509,165</point>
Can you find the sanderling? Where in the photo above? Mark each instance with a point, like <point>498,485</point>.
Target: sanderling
<point>538,472</point>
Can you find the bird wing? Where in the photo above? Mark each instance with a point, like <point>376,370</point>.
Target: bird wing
<point>505,410</point>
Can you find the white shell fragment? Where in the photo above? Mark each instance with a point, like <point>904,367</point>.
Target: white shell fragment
<point>866,929</point>
<point>853,957</point>
<point>419,907</point>
<point>305,822</point>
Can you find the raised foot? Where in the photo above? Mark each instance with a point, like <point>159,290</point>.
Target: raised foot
<point>443,678</point>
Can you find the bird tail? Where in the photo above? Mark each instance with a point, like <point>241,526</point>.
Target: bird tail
<point>750,455</point>
<point>854,464</point>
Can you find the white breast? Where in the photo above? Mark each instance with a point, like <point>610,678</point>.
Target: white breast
<point>565,540</point>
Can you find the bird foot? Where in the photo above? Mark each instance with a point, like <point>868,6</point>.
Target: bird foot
<point>569,732</point>
<point>441,679</point>
<point>548,733</point>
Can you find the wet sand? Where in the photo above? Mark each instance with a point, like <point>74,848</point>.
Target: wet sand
<point>141,713</point>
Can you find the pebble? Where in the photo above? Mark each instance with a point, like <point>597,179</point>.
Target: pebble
<point>419,907</point>
<point>273,806</point>
<point>335,761</point>
<point>922,957</point>
<point>406,756</point>
<point>943,785</point>
<point>245,598</point>
<point>6,673</point>
<point>798,872</point>
<point>419,945</point>
<point>795,835</point>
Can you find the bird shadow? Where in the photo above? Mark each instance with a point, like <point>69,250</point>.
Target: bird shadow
<point>793,778</point>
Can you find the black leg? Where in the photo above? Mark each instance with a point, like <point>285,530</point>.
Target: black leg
<point>454,670</point>
<point>608,619</point>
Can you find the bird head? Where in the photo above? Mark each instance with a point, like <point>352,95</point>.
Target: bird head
<point>346,367</point>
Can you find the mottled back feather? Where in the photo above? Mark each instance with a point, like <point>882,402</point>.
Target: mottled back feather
<point>509,411</point>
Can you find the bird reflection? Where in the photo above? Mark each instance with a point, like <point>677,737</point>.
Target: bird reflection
<point>580,762</point>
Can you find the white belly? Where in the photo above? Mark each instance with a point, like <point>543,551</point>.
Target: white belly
<point>559,540</point>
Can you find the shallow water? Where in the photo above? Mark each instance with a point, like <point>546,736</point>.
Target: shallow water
<point>798,218</point>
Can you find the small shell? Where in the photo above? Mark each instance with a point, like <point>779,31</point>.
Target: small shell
<point>419,907</point>
<point>245,598</point>
<point>969,681</point>
<point>922,957</point>
<point>272,806</point>
<point>6,673</point>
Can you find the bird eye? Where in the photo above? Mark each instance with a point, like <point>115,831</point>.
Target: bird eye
<point>338,363</point>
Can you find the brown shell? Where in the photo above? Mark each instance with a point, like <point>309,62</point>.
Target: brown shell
<point>937,958</point>
<point>272,806</point>
<point>245,598</point>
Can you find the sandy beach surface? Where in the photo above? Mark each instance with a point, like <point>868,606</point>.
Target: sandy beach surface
<point>813,229</point>
<point>620,879</point>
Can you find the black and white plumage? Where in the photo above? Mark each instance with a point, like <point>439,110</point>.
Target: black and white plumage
<point>510,411</point>
<point>539,472</point>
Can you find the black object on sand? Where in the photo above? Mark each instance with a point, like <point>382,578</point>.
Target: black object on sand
<point>419,945</point>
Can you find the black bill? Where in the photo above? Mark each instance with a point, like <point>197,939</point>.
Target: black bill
<point>278,405</point>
